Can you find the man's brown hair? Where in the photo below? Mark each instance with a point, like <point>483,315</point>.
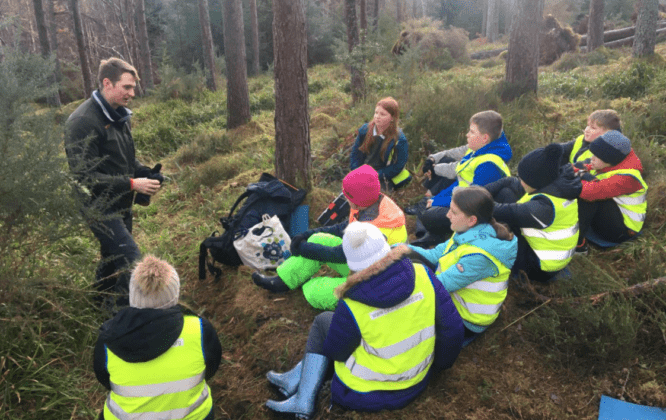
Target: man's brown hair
<point>606,119</point>
<point>112,69</point>
<point>489,122</point>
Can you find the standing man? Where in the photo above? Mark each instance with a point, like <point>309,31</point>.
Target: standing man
<point>101,155</point>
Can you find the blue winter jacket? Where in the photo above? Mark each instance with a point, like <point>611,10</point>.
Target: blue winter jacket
<point>383,285</point>
<point>485,173</point>
<point>357,158</point>
<point>472,267</point>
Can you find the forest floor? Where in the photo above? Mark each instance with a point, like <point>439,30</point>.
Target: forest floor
<point>520,368</point>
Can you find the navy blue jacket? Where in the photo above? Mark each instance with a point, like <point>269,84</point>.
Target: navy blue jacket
<point>357,158</point>
<point>383,285</point>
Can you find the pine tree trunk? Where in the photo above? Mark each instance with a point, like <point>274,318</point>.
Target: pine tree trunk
<point>509,13</point>
<point>293,160</point>
<point>53,37</point>
<point>363,19</point>
<point>375,15</point>
<point>45,46</point>
<point>492,21</point>
<point>144,47</point>
<point>522,64</point>
<point>646,27</point>
<point>238,96</point>
<point>484,21</point>
<point>357,79</point>
<point>254,23</point>
<point>398,10</point>
<point>595,25</point>
<point>207,40</point>
<point>81,46</point>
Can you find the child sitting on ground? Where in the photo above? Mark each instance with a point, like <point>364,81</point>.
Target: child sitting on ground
<point>614,197</point>
<point>545,214</point>
<point>598,123</point>
<point>394,329</point>
<point>314,247</point>
<point>474,265</point>
<point>484,161</point>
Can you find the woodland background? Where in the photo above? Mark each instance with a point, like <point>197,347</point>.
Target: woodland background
<point>215,117</point>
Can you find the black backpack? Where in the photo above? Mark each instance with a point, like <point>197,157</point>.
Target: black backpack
<point>267,196</point>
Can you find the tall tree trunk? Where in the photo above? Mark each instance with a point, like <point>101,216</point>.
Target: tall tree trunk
<point>254,25</point>
<point>398,10</point>
<point>207,40</point>
<point>522,64</point>
<point>492,21</point>
<point>293,159</point>
<point>595,25</point>
<point>81,46</point>
<point>45,46</point>
<point>375,15</point>
<point>509,13</point>
<point>238,96</point>
<point>363,18</point>
<point>646,27</point>
<point>53,37</point>
<point>415,9</point>
<point>484,21</point>
<point>144,47</point>
<point>357,79</point>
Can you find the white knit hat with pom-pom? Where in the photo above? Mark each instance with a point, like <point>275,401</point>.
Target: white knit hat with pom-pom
<point>363,244</point>
<point>154,284</point>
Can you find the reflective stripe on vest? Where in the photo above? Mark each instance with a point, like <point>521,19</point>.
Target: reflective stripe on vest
<point>171,386</point>
<point>398,343</point>
<point>578,143</point>
<point>555,244</point>
<point>465,170</point>
<point>479,302</point>
<point>633,206</point>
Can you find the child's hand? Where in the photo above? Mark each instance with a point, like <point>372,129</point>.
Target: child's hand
<point>429,204</point>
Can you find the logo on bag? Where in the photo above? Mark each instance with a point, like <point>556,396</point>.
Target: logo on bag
<point>273,250</point>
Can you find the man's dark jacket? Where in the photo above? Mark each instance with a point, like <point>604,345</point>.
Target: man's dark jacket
<point>100,151</point>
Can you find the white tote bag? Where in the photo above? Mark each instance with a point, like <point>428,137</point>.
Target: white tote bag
<point>265,245</point>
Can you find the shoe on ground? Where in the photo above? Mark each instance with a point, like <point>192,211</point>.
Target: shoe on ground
<point>582,249</point>
<point>271,283</point>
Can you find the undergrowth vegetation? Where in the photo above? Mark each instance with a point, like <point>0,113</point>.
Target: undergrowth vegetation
<point>587,328</point>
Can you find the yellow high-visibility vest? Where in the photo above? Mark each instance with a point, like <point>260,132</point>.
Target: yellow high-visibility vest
<point>479,302</point>
<point>171,386</point>
<point>397,344</point>
<point>465,170</point>
<point>578,143</point>
<point>555,244</point>
<point>633,206</point>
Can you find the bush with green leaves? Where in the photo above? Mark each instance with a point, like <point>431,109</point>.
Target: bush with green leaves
<point>571,60</point>
<point>437,48</point>
<point>631,83</point>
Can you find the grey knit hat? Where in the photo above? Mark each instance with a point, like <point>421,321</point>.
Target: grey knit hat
<point>154,284</point>
<point>611,147</point>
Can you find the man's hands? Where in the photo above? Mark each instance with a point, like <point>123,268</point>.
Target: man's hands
<point>146,186</point>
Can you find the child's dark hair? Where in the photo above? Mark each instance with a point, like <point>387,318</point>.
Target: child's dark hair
<point>477,201</point>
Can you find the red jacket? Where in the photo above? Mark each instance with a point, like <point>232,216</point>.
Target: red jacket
<point>616,185</point>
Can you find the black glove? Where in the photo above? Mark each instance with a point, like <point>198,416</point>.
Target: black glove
<point>428,165</point>
<point>295,246</point>
<point>586,176</point>
<point>144,199</point>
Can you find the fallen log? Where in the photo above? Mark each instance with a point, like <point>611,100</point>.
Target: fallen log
<point>621,33</point>
<point>482,55</point>
<point>626,41</point>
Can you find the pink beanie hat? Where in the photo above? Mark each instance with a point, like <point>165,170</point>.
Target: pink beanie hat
<point>361,186</point>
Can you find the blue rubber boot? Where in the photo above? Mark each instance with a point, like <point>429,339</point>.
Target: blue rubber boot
<point>286,382</point>
<point>302,404</point>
